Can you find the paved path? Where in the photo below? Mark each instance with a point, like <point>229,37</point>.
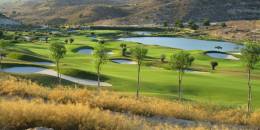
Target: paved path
<point>39,70</point>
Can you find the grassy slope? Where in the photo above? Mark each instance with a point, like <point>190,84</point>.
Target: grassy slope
<point>74,107</point>
<point>227,85</point>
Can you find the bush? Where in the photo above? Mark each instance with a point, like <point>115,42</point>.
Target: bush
<point>223,25</point>
<point>163,57</point>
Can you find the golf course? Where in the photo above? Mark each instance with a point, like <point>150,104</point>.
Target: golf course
<point>226,85</point>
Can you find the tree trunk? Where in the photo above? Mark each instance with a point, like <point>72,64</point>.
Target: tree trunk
<point>179,85</point>
<point>1,58</point>
<point>98,74</point>
<point>58,72</point>
<point>123,53</point>
<point>249,106</point>
<point>138,81</point>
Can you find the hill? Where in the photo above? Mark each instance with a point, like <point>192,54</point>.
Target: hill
<point>130,11</point>
<point>7,21</point>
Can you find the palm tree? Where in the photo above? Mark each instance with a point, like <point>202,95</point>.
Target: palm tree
<point>101,58</point>
<point>71,40</point>
<point>66,41</point>
<point>124,49</point>
<point>251,56</point>
<point>58,52</point>
<point>139,53</point>
<point>213,64</point>
<point>181,61</point>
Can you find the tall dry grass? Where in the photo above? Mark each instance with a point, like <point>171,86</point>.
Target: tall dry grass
<point>116,102</point>
<point>20,114</point>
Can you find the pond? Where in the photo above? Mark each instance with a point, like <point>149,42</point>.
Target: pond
<point>91,51</point>
<point>142,32</point>
<point>185,43</point>
<point>222,56</point>
<point>24,70</point>
<point>124,61</point>
<point>85,51</point>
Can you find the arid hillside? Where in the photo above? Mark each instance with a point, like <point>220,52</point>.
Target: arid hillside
<point>7,21</point>
<point>129,11</point>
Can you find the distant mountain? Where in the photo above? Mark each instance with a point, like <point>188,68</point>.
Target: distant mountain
<point>129,11</point>
<point>7,21</point>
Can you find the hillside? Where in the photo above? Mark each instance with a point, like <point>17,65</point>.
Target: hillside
<point>7,21</point>
<point>130,11</point>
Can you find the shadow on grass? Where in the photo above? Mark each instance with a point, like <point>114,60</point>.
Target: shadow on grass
<point>26,57</point>
<point>82,74</point>
<point>9,65</point>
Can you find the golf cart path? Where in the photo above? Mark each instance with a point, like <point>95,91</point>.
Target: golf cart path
<point>73,79</point>
<point>38,70</point>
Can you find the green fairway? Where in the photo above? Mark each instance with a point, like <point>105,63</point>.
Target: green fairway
<point>226,85</point>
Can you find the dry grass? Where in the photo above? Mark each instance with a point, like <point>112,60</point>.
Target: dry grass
<point>18,115</point>
<point>116,102</point>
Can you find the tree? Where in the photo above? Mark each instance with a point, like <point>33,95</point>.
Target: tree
<point>213,64</point>
<point>250,56</point>
<point>101,58</point>
<point>163,57</point>
<point>165,24</point>
<point>181,61</point>
<point>15,37</point>
<point>190,23</point>
<point>139,53</point>
<point>1,34</point>
<point>3,46</point>
<point>193,25</point>
<point>124,49</point>
<point>66,41</point>
<point>92,34</point>
<point>179,23</point>
<point>58,52</point>
<point>81,15</point>
<point>46,39</point>
<point>71,40</point>
<point>206,22</point>
<point>101,42</point>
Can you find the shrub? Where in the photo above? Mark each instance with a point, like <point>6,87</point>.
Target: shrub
<point>223,24</point>
<point>163,57</point>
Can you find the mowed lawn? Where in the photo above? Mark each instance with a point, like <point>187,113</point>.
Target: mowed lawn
<point>226,85</point>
